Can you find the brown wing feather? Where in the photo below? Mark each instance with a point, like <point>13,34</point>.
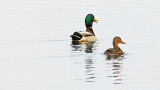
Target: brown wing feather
<point>113,53</point>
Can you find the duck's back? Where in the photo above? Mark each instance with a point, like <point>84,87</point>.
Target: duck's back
<point>83,37</point>
<point>113,53</point>
<point>85,34</point>
<point>110,51</point>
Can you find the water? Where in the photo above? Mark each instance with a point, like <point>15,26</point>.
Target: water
<point>37,52</point>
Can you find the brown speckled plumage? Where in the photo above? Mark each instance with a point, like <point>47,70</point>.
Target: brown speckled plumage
<point>116,51</point>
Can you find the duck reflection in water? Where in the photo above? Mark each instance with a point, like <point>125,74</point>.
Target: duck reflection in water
<point>86,47</point>
<point>89,66</point>
<point>116,51</point>
<point>89,62</point>
<point>116,68</point>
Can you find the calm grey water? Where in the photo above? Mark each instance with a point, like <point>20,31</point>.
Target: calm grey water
<point>37,53</point>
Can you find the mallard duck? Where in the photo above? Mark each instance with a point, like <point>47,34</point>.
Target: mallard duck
<point>115,52</point>
<point>88,35</point>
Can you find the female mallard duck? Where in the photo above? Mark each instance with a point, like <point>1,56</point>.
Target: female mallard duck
<point>116,51</point>
<point>87,36</point>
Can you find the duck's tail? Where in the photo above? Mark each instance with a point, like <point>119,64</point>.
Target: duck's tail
<point>76,36</point>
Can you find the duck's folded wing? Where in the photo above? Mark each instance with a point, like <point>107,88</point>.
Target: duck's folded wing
<point>86,34</point>
<point>109,51</point>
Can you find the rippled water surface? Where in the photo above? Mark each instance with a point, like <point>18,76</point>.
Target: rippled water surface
<point>37,52</point>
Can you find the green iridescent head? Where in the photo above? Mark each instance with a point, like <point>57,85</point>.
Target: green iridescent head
<point>89,20</point>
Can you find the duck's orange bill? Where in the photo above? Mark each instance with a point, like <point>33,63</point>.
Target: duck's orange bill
<point>123,42</point>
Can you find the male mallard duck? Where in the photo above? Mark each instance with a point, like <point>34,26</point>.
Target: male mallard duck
<point>87,36</point>
<point>116,51</point>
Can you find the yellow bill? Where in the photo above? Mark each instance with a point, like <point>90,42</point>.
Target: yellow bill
<point>95,20</point>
